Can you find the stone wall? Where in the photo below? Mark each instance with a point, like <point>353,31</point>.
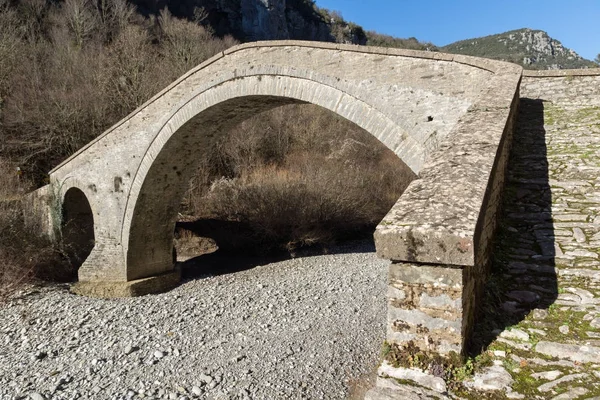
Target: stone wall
<point>425,306</point>
<point>41,217</point>
<point>575,87</point>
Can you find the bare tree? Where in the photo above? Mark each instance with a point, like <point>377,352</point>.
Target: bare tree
<point>131,66</point>
<point>9,46</point>
<point>186,44</point>
<point>81,18</point>
<point>115,15</point>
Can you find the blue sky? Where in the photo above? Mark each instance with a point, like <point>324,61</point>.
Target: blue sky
<point>576,23</point>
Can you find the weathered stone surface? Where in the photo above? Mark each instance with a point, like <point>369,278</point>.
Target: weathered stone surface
<point>390,389</point>
<point>425,306</point>
<point>574,393</point>
<point>419,377</point>
<point>574,352</point>
<point>546,387</point>
<point>492,378</point>
<point>547,375</point>
<point>155,284</point>
<point>517,334</point>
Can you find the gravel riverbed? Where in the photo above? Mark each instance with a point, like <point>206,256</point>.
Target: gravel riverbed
<point>307,327</point>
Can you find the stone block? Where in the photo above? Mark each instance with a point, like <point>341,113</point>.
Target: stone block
<point>139,287</point>
<point>425,306</point>
<point>39,216</point>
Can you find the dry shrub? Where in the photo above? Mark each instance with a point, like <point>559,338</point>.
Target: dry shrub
<point>25,255</point>
<point>69,70</point>
<point>21,251</point>
<point>297,176</point>
<point>180,39</point>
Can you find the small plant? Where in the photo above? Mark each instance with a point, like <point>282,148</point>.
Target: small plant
<point>386,348</point>
<point>453,368</point>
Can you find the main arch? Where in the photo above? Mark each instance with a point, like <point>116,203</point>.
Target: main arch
<point>448,117</point>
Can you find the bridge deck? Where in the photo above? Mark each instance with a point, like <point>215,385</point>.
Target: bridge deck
<point>547,268</point>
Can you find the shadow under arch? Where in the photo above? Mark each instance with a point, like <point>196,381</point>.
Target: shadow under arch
<point>77,227</point>
<point>160,185</point>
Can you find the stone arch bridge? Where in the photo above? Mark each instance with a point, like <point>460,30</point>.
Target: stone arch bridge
<point>447,117</point>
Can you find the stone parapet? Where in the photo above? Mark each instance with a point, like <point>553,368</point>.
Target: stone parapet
<point>435,220</point>
<point>439,234</point>
<point>561,73</point>
<point>568,88</point>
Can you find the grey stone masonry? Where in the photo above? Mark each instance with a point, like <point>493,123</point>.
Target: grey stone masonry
<point>447,218</point>
<point>447,117</point>
<point>541,320</point>
<point>425,306</point>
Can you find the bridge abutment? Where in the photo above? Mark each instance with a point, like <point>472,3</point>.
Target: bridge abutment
<point>139,287</point>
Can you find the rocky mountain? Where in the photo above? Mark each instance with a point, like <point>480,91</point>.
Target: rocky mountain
<point>533,49</point>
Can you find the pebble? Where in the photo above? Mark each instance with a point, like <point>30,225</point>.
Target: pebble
<point>228,313</point>
<point>500,353</point>
<point>564,329</point>
<point>197,391</point>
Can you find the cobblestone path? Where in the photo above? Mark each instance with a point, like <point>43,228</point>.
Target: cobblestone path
<point>542,324</point>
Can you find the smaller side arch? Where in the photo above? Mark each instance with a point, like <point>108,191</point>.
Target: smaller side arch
<point>77,226</point>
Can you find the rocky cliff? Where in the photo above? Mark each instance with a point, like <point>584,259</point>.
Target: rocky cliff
<point>250,20</point>
<point>533,49</point>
